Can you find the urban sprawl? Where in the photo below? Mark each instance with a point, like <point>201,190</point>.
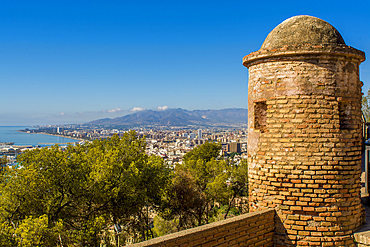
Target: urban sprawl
<point>171,144</point>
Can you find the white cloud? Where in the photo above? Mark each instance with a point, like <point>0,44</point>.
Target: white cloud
<point>62,113</point>
<point>162,108</point>
<point>114,110</point>
<point>138,109</point>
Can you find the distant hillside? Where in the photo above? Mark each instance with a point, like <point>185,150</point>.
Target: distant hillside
<point>179,117</point>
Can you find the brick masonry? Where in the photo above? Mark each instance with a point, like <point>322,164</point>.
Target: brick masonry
<point>252,229</point>
<point>304,150</point>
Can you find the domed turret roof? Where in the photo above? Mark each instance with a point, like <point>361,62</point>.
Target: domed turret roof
<point>300,30</point>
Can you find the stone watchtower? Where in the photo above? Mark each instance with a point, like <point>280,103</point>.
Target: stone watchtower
<point>304,141</point>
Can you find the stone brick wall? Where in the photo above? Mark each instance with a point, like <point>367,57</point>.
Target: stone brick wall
<point>305,161</point>
<point>252,229</point>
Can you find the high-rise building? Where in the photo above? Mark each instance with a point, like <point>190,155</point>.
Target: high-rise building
<point>199,133</point>
<point>192,136</point>
<point>234,147</point>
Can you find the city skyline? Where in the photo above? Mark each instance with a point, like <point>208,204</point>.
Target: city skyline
<point>73,62</point>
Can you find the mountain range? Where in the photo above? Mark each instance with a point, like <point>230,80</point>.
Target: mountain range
<point>232,117</point>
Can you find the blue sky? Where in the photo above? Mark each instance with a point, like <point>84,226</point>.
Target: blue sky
<point>76,61</point>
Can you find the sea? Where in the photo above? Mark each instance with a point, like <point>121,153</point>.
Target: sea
<point>11,134</point>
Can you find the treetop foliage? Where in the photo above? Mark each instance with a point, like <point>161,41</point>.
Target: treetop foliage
<point>75,196</point>
<point>201,184</point>
<point>71,197</point>
<point>205,152</point>
<point>365,106</point>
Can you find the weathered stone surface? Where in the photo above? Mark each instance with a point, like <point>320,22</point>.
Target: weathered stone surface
<point>304,150</point>
<point>303,29</point>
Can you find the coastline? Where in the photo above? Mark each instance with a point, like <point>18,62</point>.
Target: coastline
<point>43,133</point>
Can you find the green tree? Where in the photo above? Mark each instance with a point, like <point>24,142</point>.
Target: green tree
<point>70,197</point>
<point>163,227</point>
<point>238,182</point>
<point>3,169</point>
<point>36,232</point>
<point>233,154</point>
<point>202,184</point>
<point>365,106</point>
<point>126,182</point>
<point>3,162</point>
<point>185,202</point>
<point>50,183</point>
<point>205,152</point>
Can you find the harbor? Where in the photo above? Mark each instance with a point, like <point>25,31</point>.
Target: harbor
<point>13,142</point>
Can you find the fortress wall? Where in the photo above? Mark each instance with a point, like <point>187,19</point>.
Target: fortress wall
<point>252,229</point>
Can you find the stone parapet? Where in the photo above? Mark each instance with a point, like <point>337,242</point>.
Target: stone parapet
<point>252,229</point>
